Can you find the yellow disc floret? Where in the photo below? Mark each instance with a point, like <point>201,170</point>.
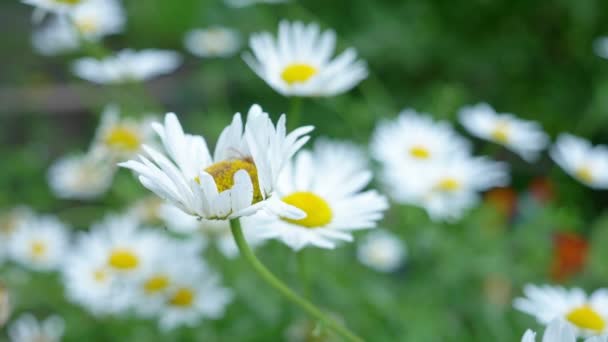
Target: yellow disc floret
<point>448,184</point>
<point>123,138</point>
<point>156,283</point>
<point>123,259</point>
<point>38,249</point>
<point>584,174</point>
<point>68,2</point>
<point>183,297</point>
<point>501,133</point>
<point>298,73</point>
<point>420,152</point>
<point>318,212</point>
<point>223,174</point>
<point>586,318</point>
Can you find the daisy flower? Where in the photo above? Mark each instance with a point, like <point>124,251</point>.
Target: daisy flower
<point>80,176</point>
<point>245,3</point>
<point>416,139</point>
<point>237,181</point>
<point>147,210</point>
<point>28,329</point>
<point>298,62</point>
<point>55,37</point>
<point>195,295</point>
<point>95,19</point>
<point>213,42</point>
<point>10,221</point>
<point>327,184</point>
<point>581,160</point>
<point>127,66</point>
<point>557,331</point>
<point>382,251</point>
<point>39,243</point>
<point>526,138</point>
<point>587,314</point>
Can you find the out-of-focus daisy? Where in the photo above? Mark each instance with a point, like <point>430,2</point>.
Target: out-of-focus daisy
<point>298,62</point>
<point>213,42</point>
<point>215,231</point>
<point>446,189</point>
<point>85,176</point>
<point>526,138</point>
<point>55,37</point>
<point>581,160</point>
<point>127,66</point>
<point>557,331</point>
<point>587,314</point>
<point>237,181</point>
<point>28,329</point>
<point>40,243</point>
<point>95,19</point>
<point>245,3</point>
<point>147,210</point>
<point>54,6</point>
<point>11,220</point>
<point>122,137</point>
<point>382,251</point>
<point>416,139</point>
<point>195,295</point>
<point>327,185</point>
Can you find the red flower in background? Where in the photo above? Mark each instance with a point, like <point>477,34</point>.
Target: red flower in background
<point>569,255</point>
<point>504,200</point>
<point>542,190</point>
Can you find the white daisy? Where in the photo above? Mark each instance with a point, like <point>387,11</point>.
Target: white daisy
<point>39,243</point>
<point>327,185</point>
<point>80,176</point>
<point>298,62</point>
<point>10,221</point>
<point>55,37</point>
<point>557,331</point>
<point>588,314</point>
<point>382,251</point>
<point>127,66</point>
<point>28,329</point>
<point>53,6</point>
<point>581,160</point>
<point>526,138</point>
<point>416,139</point>
<point>213,42</point>
<point>195,296</point>
<point>237,181</point>
<point>245,3</point>
<point>95,19</point>
<point>147,210</point>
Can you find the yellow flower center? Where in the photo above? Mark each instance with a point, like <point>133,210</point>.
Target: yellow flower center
<point>420,152</point>
<point>584,174</point>
<point>123,259</point>
<point>86,25</point>
<point>448,185</point>
<point>298,73</point>
<point>223,174</point>
<point>100,275</point>
<point>123,138</point>
<point>587,318</point>
<point>501,133</point>
<point>183,297</point>
<point>68,2</point>
<point>156,283</point>
<point>38,249</point>
<point>318,212</point>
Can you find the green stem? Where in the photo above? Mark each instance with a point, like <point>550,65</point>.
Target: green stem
<point>303,273</point>
<point>295,109</point>
<point>311,309</point>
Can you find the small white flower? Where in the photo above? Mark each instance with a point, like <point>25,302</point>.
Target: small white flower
<point>298,62</point>
<point>526,138</point>
<point>416,139</point>
<point>237,181</point>
<point>28,329</point>
<point>588,315</point>
<point>147,210</point>
<point>213,42</point>
<point>327,185</point>
<point>127,65</point>
<point>10,221</point>
<point>56,37</point>
<point>39,243</point>
<point>382,251</point>
<point>80,176</point>
<point>95,19</point>
<point>245,3</point>
<point>581,160</point>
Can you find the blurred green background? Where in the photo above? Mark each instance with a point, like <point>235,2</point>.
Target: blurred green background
<point>531,58</point>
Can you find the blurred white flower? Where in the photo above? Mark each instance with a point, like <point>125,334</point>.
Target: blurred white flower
<point>10,221</point>
<point>28,329</point>
<point>298,62</point>
<point>327,184</point>
<point>526,138</point>
<point>213,42</point>
<point>245,3</point>
<point>56,37</point>
<point>147,210</point>
<point>587,314</point>
<point>95,19</point>
<point>557,331</point>
<point>40,243</point>
<point>240,178</point>
<point>382,251</point>
<point>581,160</point>
<point>84,177</point>
<point>416,140</point>
<point>127,66</point>
<point>600,46</point>
<point>53,6</point>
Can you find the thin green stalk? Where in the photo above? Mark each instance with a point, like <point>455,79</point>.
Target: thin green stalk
<point>311,309</point>
<point>295,110</point>
<point>304,273</point>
